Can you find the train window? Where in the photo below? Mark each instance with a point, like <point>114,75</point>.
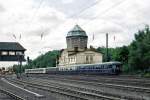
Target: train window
<point>104,66</point>
<point>92,67</point>
<point>100,66</point>
<point>110,66</point>
<point>114,66</point>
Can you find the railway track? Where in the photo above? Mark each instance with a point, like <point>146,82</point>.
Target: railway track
<point>70,91</point>
<point>137,86</point>
<point>10,94</point>
<point>81,87</point>
<point>107,79</point>
<point>140,91</point>
<point>80,91</point>
<point>123,87</point>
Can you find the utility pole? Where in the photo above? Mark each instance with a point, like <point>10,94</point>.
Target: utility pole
<point>106,47</point>
<point>57,60</point>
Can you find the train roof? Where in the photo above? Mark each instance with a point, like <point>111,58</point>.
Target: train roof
<point>112,62</point>
<point>34,68</point>
<point>42,68</point>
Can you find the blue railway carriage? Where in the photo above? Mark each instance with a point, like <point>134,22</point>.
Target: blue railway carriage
<point>100,68</point>
<point>51,70</point>
<point>103,68</point>
<point>109,68</point>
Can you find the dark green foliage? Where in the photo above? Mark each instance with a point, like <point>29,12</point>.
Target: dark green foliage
<point>139,57</point>
<point>121,54</point>
<point>103,51</point>
<point>115,54</point>
<point>16,68</point>
<point>46,60</point>
<point>111,51</point>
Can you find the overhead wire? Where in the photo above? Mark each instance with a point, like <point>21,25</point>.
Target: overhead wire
<point>105,11</point>
<point>84,9</point>
<point>75,15</point>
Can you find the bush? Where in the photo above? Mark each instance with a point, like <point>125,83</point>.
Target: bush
<point>147,75</point>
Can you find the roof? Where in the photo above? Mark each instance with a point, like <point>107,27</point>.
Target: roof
<point>77,52</point>
<point>77,31</point>
<point>74,53</point>
<point>11,46</point>
<point>102,63</point>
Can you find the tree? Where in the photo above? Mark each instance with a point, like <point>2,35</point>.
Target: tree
<point>46,60</point>
<point>139,52</point>
<point>121,54</point>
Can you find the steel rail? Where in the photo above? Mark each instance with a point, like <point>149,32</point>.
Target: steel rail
<point>12,95</point>
<point>124,87</point>
<point>69,92</point>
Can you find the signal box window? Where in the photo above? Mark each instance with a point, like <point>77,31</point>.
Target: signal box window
<point>4,53</point>
<point>11,53</point>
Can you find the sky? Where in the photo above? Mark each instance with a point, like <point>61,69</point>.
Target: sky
<point>24,21</point>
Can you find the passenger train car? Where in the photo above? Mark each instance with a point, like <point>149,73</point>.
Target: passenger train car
<point>100,68</point>
<point>41,70</point>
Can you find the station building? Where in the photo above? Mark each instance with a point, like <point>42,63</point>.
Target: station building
<point>77,51</point>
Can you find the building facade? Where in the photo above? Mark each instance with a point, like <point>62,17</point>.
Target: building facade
<point>77,51</point>
<point>76,39</point>
<point>11,51</point>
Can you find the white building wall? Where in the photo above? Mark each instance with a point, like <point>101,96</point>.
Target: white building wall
<point>79,58</point>
<point>96,57</point>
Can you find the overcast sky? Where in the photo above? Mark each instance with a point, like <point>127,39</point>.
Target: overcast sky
<point>54,18</point>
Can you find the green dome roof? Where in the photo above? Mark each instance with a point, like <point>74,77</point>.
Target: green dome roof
<point>76,31</point>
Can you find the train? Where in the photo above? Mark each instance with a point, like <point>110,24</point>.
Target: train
<point>112,68</point>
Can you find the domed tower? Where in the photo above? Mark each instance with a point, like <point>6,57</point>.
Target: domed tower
<point>76,39</point>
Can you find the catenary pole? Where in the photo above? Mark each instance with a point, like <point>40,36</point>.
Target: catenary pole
<point>107,47</point>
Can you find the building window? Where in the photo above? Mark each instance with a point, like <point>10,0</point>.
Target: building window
<point>74,58</point>
<point>91,58</point>
<point>11,53</point>
<point>64,59</point>
<point>4,53</point>
<point>69,59</point>
<point>19,53</point>
<point>87,59</point>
